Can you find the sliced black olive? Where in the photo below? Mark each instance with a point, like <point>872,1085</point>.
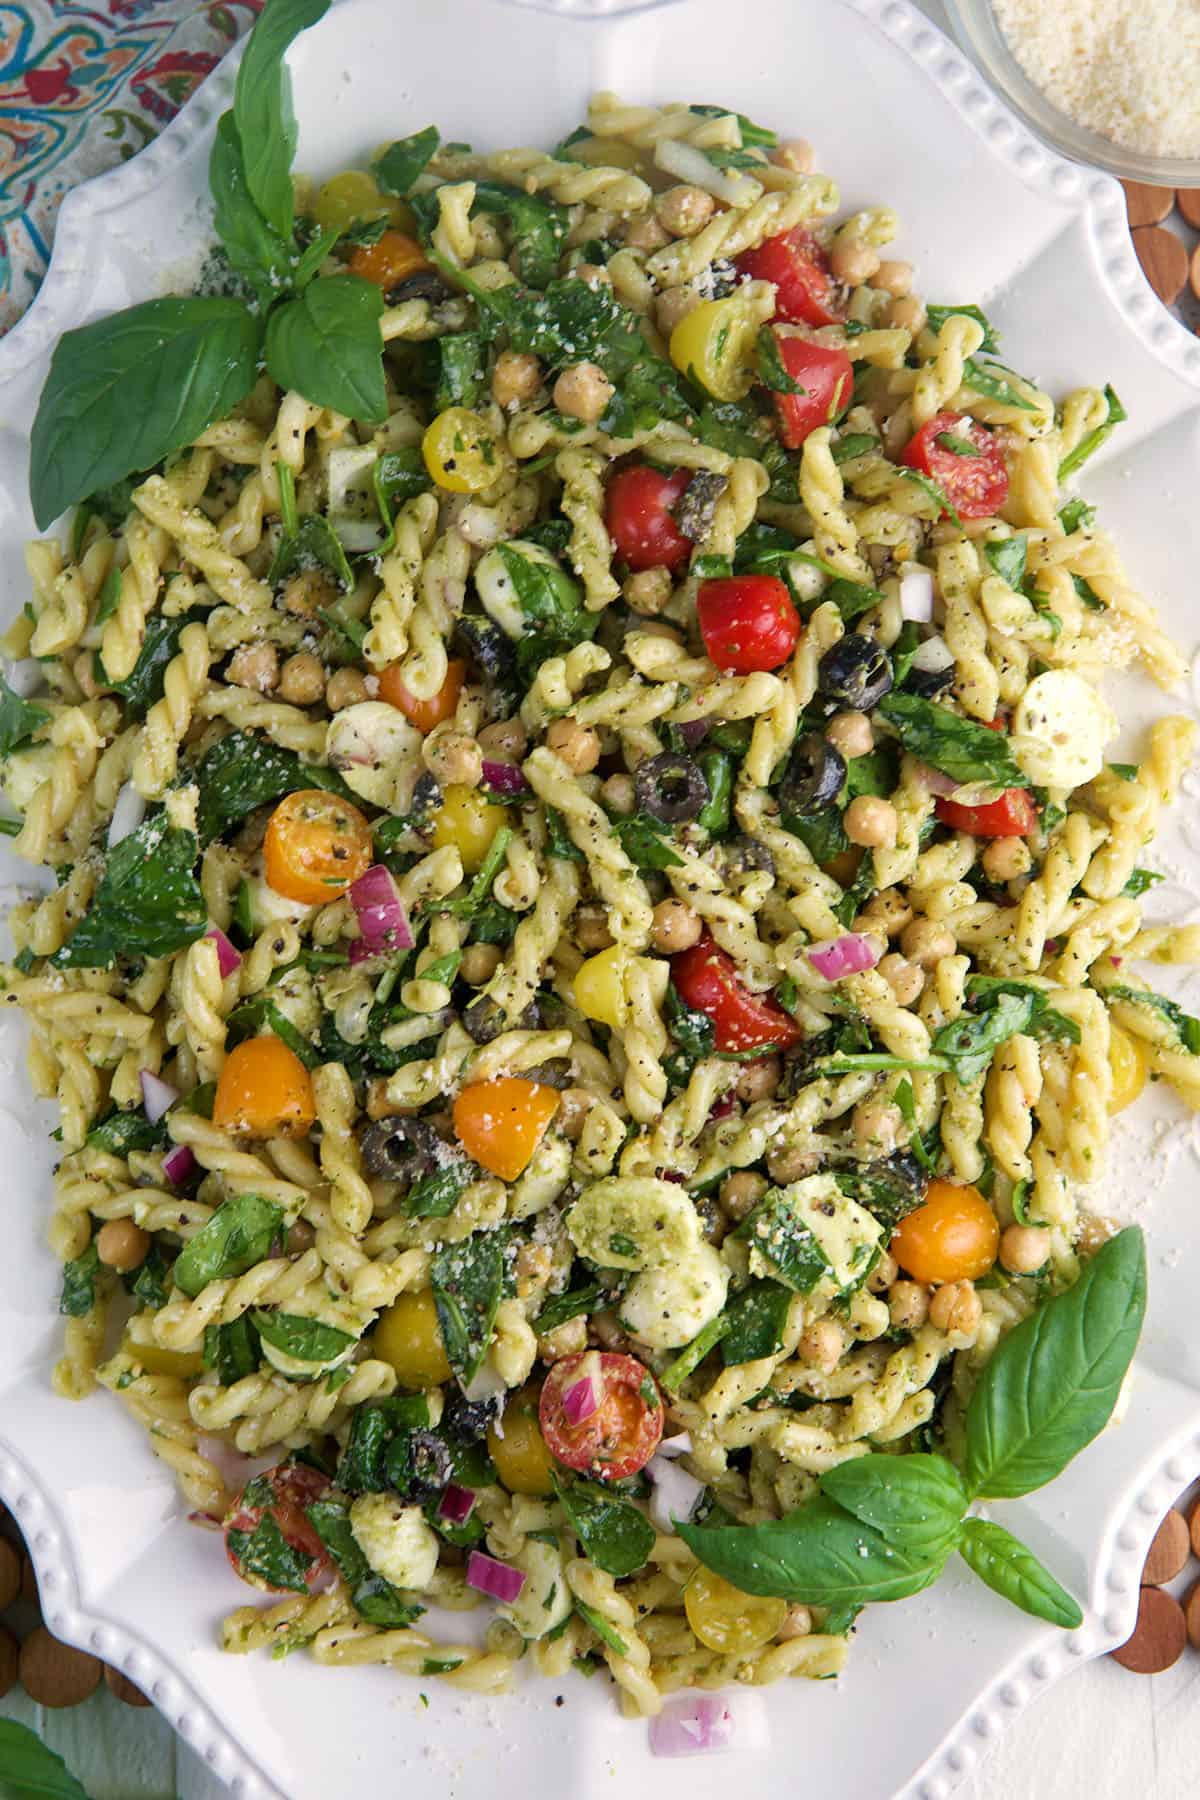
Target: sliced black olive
<point>670,787</point>
<point>468,1420</point>
<point>856,673</point>
<point>489,648</point>
<point>556,1074</point>
<point>814,776</point>
<point>425,284</point>
<point>713,1223</point>
<point>396,1149</point>
<point>426,795</point>
<point>432,1466</point>
<point>484,1019</point>
<point>694,509</point>
<point>927,684</point>
<point>749,853</point>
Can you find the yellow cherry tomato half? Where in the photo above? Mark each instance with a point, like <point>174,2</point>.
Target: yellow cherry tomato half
<point>156,1359</point>
<point>264,1091</point>
<point>352,198</point>
<point>500,1123</point>
<point>518,1449</point>
<point>714,345</point>
<point>460,452</point>
<point>952,1236</point>
<point>467,822</point>
<point>316,845</point>
<point>409,1337</point>
<point>1130,1065</point>
<point>725,1619</point>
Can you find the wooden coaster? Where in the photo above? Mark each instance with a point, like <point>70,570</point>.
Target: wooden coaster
<point>1188,202</point>
<point>10,1656</point>
<point>1146,205</point>
<point>123,1688</point>
<point>1191,1614</point>
<point>58,1675</point>
<point>29,1588</point>
<point>1169,1551</point>
<point>1193,1519</point>
<point>1158,1637</point>
<point>1164,261</point>
<point>10,1574</point>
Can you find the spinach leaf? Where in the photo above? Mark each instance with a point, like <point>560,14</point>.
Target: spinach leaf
<point>603,1630</point>
<point>574,1304</point>
<point>957,746</point>
<point>1076,515</point>
<point>906,1102</point>
<point>265,1552</point>
<point>1139,881</point>
<point>468,1280</point>
<point>1015,1573</point>
<point>126,391</point>
<point>398,476</point>
<point>770,366</point>
<point>937,316</point>
<point>692,1355</point>
<point>559,842</point>
<point>982,378</point>
<point>372,1597</point>
<point>144,683</point>
<point>936,493</point>
<point>19,719</point>
<point>31,1767</point>
<point>401,163</point>
<point>749,131</point>
<point>854,444</point>
<point>819,1554</point>
<point>716,813</point>
<point>782,1238</point>
<point>1008,558</point>
<point>239,1234</point>
<point>436,1195</point>
<point>917,1501</point>
<point>539,228</point>
<point>243,771</point>
<point>858,893</point>
<point>148,1282</point>
<point>1051,1384</point>
<point>256,251</point>
<point>852,598</point>
<point>694,1032</point>
<point>889,1189</point>
<point>232,1350</point>
<point>313,545</point>
<point>549,599</point>
<point>79,1283</point>
<point>327,344</point>
<point>1088,446</point>
<point>462,374</point>
<point>756,1319</point>
<point>614,1534</point>
<point>971,1041</point>
<point>121,1132</point>
<point>308,1340</point>
<point>875,773</point>
<point>957,446</point>
<point>1186,1027</point>
<point>148,903</point>
<point>262,107</point>
<point>373,1428</point>
<point>646,843</point>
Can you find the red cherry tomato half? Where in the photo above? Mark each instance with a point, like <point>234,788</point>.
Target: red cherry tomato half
<point>976,486</point>
<point>638,515</point>
<point>291,1558</point>
<point>747,622</point>
<point>621,1436</point>
<point>827,378</point>
<point>707,981</point>
<point>805,291</point>
<point>1012,815</point>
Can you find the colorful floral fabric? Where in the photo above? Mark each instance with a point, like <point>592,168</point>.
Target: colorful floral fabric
<point>81,88</point>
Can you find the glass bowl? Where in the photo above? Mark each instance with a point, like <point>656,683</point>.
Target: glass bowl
<point>975,26</point>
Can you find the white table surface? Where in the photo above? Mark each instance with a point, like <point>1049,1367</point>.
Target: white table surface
<point>1099,1734</point>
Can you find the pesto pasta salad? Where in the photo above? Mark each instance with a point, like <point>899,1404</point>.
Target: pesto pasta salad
<point>594,940</point>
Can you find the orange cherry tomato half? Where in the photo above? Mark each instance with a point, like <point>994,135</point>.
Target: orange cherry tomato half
<point>953,1236</point>
<point>748,622</point>
<point>826,380</point>
<point>805,290</point>
<point>623,1433</point>
<point>501,1123</point>
<point>964,459</point>
<point>707,981</point>
<point>390,260</point>
<point>424,714</point>
<point>264,1091</point>
<point>1012,814</point>
<point>282,1494</point>
<point>316,845</point>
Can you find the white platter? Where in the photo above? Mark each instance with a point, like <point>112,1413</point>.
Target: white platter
<point>990,216</point>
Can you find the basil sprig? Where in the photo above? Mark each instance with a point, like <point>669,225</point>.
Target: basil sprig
<point>884,1526</point>
<point>128,390</point>
<point>31,1767</point>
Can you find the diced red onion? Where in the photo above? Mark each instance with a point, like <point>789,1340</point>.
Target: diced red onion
<point>382,921</point>
<point>721,1109</point>
<point>128,812</point>
<point>692,1725</point>
<point>934,782</point>
<point>205,1519</point>
<point>676,1493</point>
<point>848,955</point>
<point>228,959</point>
<point>933,656</point>
<point>504,777</point>
<point>178,1165</point>
<point>580,1401</point>
<point>490,1576</point>
<point>157,1095</point>
<point>916,594</point>
<point>693,732</point>
<point>679,1445</point>
<point>456,1504</point>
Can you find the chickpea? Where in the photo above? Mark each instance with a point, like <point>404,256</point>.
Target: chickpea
<point>926,943</point>
<point>684,210</point>
<point>307,591</point>
<point>84,670</point>
<point>676,927</point>
<point>606,1328</point>
<point>850,734</point>
<point>789,1163</point>
<point>1006,858</point>
<point>1023,1248</point>
<point>853,263</point>
<point>254,666</point>
<point>906,313</point>
<point>618,792</point>
<point>593,275</point>
<point>649,590</point>
<point>479,963</point>
<point>301,680</point>
<point>453,758</point>
<point>517,376</point>
<point>345,687</point>
<point>645,233</point>
<point>894,278</point>
<point>576,745</point>
<point>908,1305</point>
<point>582,392</point>
<point>821,1345</point>
<point>739,1194</point>
<point>378,1105</point>
<point>904,978</point>
<point>660,629</point>
<point>797,1624</point>
<point>888,912</point>
<point>533,1266</point>
<point>758,1079</point>
<point>591,931</point>
<point>883,1274</point>
<point>574,1105</point>
<point>300,1237</point>
<point>506,739</point>
<point>796,154</point>
<point>122,1245</point>
<point>673,306</point>
<point>956,1308</point>
<point>871,822</point>
<point>877,1126</point>
<point>567,1340</point>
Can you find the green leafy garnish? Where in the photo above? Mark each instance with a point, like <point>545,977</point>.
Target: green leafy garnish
<point>19,719</point>
<point>957,746</point>
<point>239,1234</point>
<point>612,1532</point>
<point>1088,445</point>
<point>401,163</point>
<point>468,1280</point>
<point>148,902</point>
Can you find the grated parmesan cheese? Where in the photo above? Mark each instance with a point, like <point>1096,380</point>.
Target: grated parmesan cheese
<point>1128,71</point>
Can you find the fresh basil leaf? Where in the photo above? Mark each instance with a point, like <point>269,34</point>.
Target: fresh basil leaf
<point>373,1597</point>
<point>852,598</point>
<point>770,366</point>
<point>906,1102</point>
<point>576,1303</point>
<point>327,345</point>
<point>127,390</point>
<point>148,903</point>
<point>613,1533</point>
<point>1008,558</point>
<point>78,1294</point>
<point>1088,446</point>
<point>266,1553</point>
<point>398,476</point>
<point>401,163</point>
<point>819,1554</point>
<point>937,316</point>
<point>243,771</point>
<point>539,228</point>
<point>756,1318</point>
<point>262,107</point>
<point>19,719</point>
<point>957,746</point>
<point>916,1501</point>
<point>468,1280</point>
<point>1186,1027</point>
<point>1014,1572</point>
<point>646,843</point>
<point>308,1340</point>
<point>312,256</point>
<point>232,1350</point>
<point>30,1767</point>
<point>144,684</point>
<point>550,600</point>
<point>857,894</point>
<point>315,545</point>
<point>256,251</point>
<point>110,595</point>
<point>982,378</point>
<point>854,444</point>
<point>971,1041</point>
<point>1051,1384</point>
<point>239,1234</point>
<point>1139,881</point>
